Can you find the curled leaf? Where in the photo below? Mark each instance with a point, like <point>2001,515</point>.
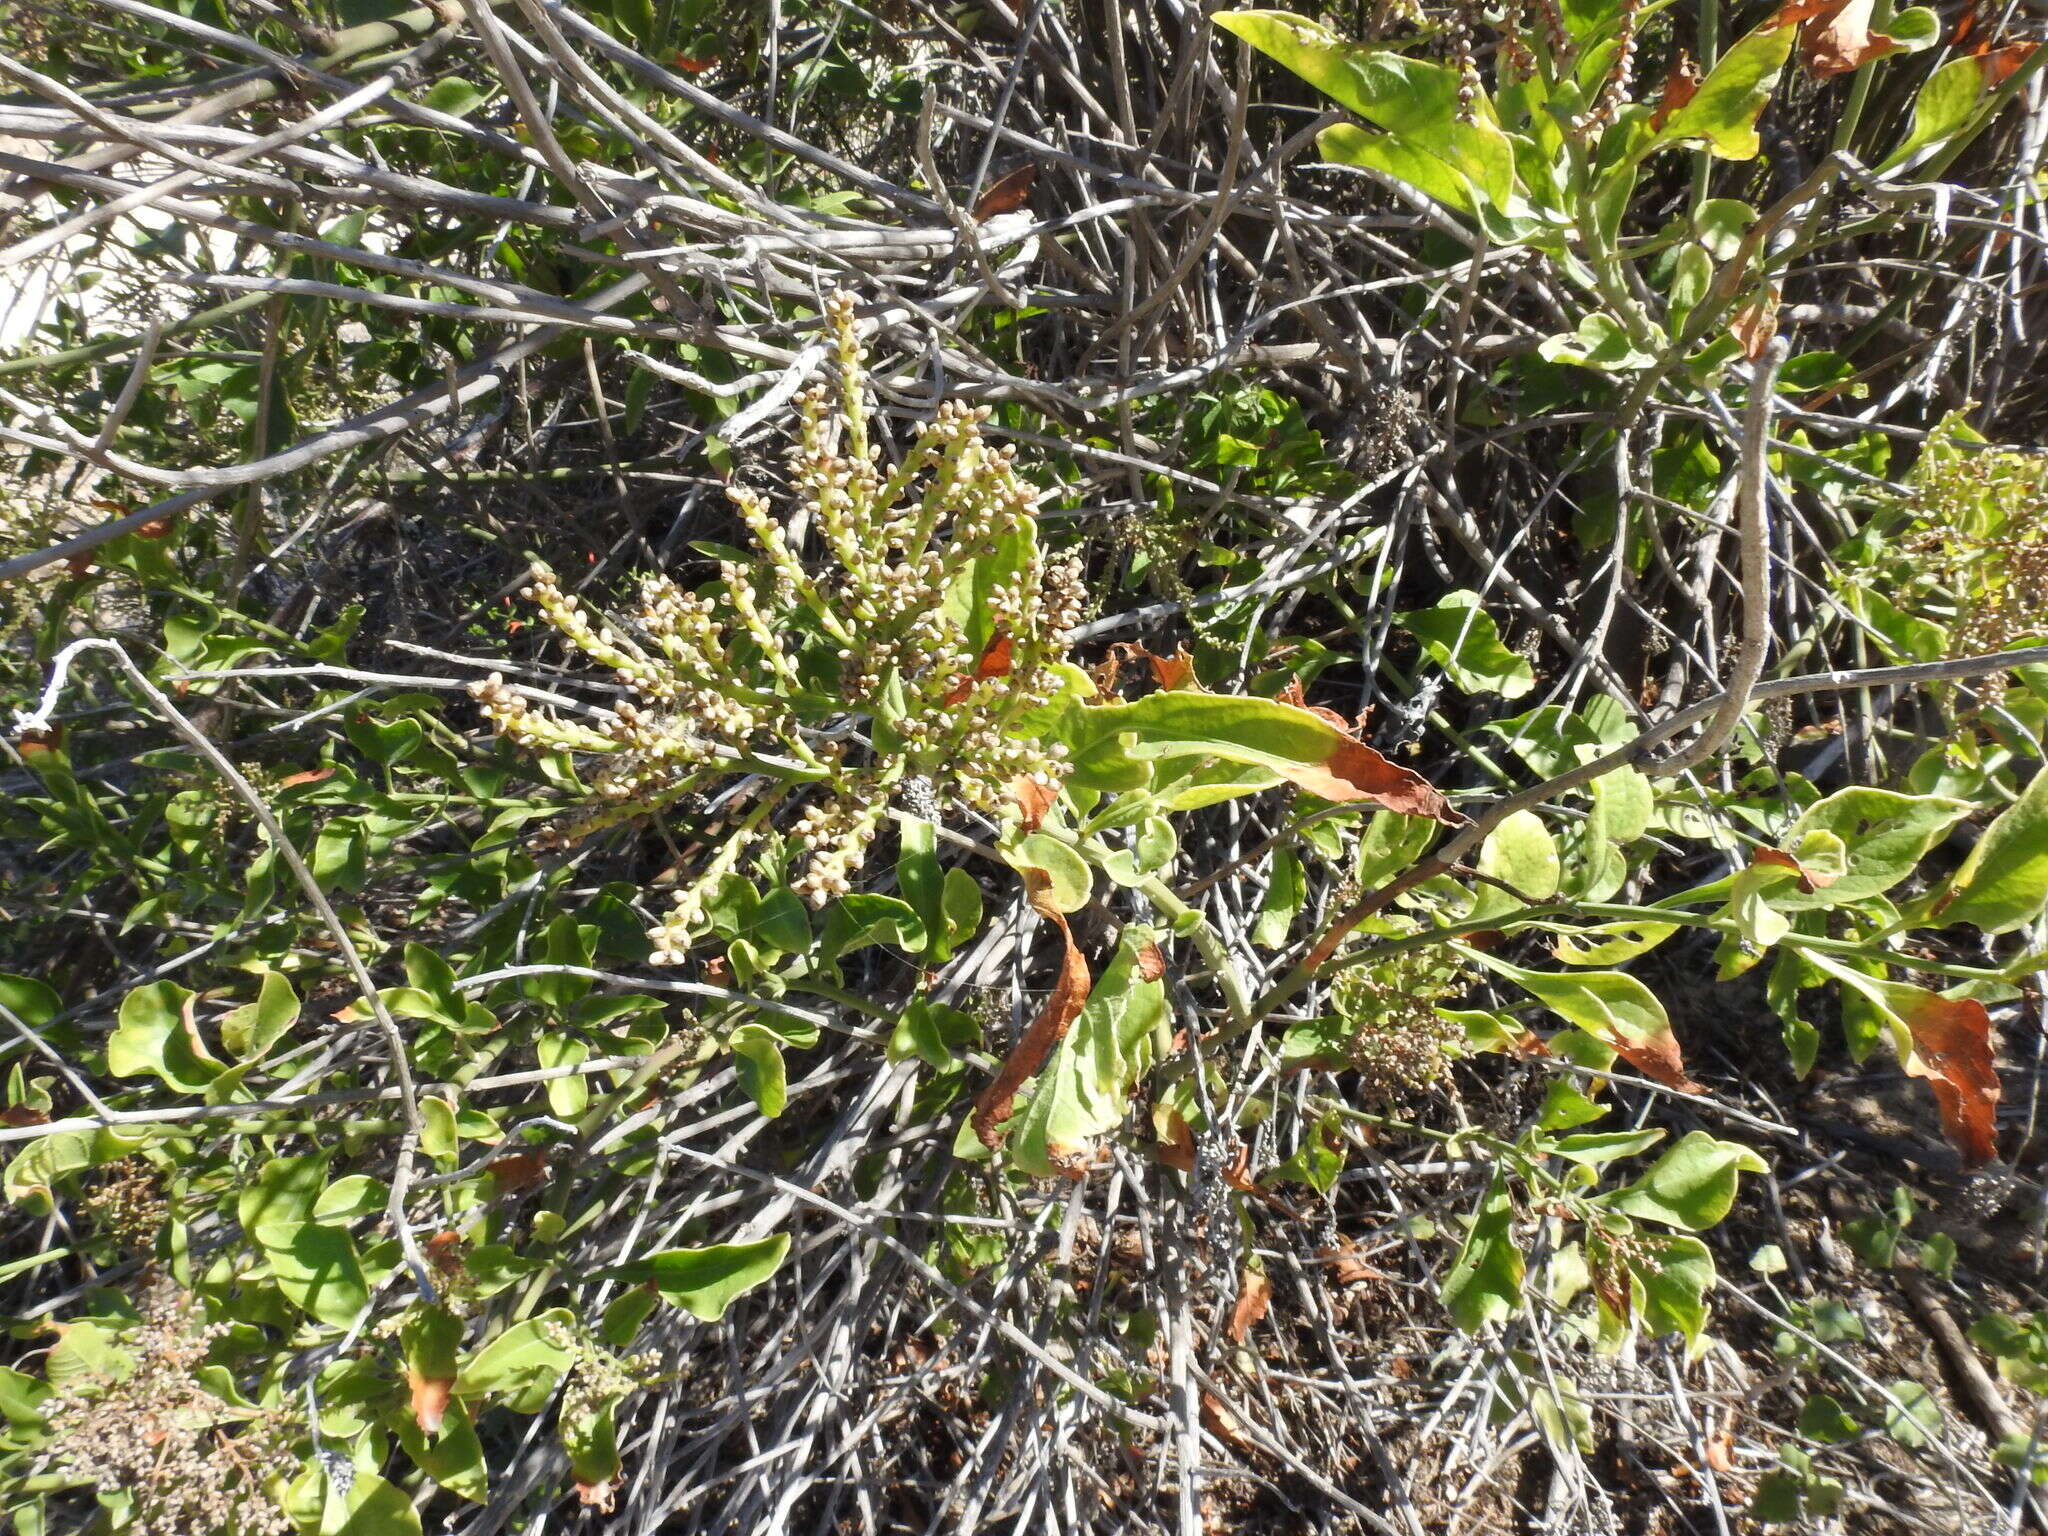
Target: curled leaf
<point>1611,1006</point>
<point>1835,35</point>
<point>1175,671</point>
<point>1028,1057</point>
<point>1347,1268</point>
<point>1810,880</point>
<point>1033,799</point>
<point>1756,323</point>
<point>430,1398</point>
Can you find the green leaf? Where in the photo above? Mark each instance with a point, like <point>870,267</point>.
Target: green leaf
<point>1946,106</point>
<point>32,1176</point>
<point>520,1367</point>
<point>1600,343</point>
<point>1299,745</point>
<point>455,96</point>
<point>1349,144</point>
<point>29,1000</point>
<point>1822,1418</point>
<point>2003,884</point>
<point>568,1096</point>
<point>705,1281</point>
<point>1915,29</point>
<point>757,1058</point>
<point>1460,637</point>
<point>250,1030</point>
<point>1720,223</point>
<point>864,918</point>
<point>1413,99</point>
<point>453,1456</point>
<point>1593,1148</point>
<point>153,1037</point>
<point>1912,1415</point>
<point>1521,853</point>
<point>371,1507</point>
<point>1676,1274</point>
<point>428,972</point>
<point>592,1440</point>
<point>1693,1185</point>
<point>1485,1281</point>
<point>961,904</point>
<point>1725,108</point>
<point>969,600</point>
<point>780,922</point>
<point>1390,843</point>
<point>923,885</point>
<point>1286,890</point>
<point>315,1263</point>
<point>932,1032</point>
<point>1779,1498</point>
<point>1611,943</point>
<point>1884,836</point>
<point>387,743</point>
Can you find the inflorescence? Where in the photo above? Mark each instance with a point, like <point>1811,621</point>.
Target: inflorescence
<point>896,662</point>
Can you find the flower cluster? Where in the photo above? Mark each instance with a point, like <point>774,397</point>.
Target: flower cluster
<point>128,1206</point>
<point>162,1439</point>
<point>596,1376</point>
<point>1398,1043</point>
<point>892,631</point>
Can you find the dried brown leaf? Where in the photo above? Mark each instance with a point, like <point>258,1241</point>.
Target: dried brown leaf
<point>1952,1050</point>
<point>1254,1296</point>
<point>1007,194</point>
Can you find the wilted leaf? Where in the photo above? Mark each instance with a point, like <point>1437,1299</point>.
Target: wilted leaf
<point>1724,109</point>
<point>1946,1040</point>
<point>1223,1424</point>
<point>516,1171</point>
<point>1175,671</point>
<point>1810,880</point>
<point>1756,323</point>
<point>1028,1057</point>
<point>251,1030</point>
<point>432,1339</point>
<point>1032,799</point>
<point>1611,1006</point>
<point>2000,64</point>
<point>1681,84</point>
<point>1085,1090</point>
